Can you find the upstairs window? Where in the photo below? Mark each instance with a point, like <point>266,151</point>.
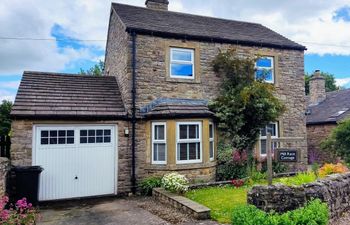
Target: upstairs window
<point>182,63</point>
<point>271,128</point>
<point>188,139</point>
<point>265,69</point>
<point>159,151</point>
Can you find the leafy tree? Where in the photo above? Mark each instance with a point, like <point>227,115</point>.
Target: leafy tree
<point>5,121</point>
<point>339,141</point>
<point>96,70</point>
<point>330,82</point>
<point>244,104</point>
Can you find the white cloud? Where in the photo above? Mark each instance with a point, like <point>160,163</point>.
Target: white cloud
<point>342,82</point>
<point>303,21</point>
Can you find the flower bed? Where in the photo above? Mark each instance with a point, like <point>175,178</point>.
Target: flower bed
<point>22,212</point>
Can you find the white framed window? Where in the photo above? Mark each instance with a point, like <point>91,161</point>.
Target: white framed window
<point>57,137</point>
<point>188,142</point>
<point>271,128</point>
<point>92,136</point>
<point>265,69</point>
<point>211,141</point>
<point>181,63</point>
<point>159,148</point>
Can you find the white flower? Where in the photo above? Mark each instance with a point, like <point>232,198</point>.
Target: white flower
<point>175,182</point>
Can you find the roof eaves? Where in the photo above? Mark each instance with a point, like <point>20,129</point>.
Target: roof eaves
<point>212,39</point>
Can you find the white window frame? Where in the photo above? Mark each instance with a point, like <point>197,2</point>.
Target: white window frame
<point>265,137</point>
<point>178,141</point>
<point>182,62</point>
<point>272,68</point>
<point>159,142</point>
<point>212,140</point>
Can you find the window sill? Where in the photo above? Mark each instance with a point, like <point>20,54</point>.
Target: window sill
<point>182,80</point>
<point>181,166</point>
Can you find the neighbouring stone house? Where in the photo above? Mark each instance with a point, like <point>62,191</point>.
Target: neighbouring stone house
<point>148,114</point>
<point>324,112</point>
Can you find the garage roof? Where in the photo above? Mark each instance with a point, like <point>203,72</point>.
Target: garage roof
<point>67,96</point>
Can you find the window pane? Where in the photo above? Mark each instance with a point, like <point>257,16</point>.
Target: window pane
<point>44,141</point>
<point>61,133</point>
<point>107,139</point>
<point>99,139</point>
<point>211,149</point>
<point>211,131</point>
<point>70,133</point>
<point>159,132</point>
<point>53,141</point>
<point>193,131</point>
<point>107,132</point>
<point>91,139</point>
<point>271,128</point>
<point>99,132</point>
<point>70,140</point>
<point>83,140</point>
<point>44,133</point>
<point>183,132</point>
<point>61,140</point>
<point>192,151</point>
<point>264,62</point>
<point>91,132</point>
<point>155,152</point>
<point>53,133</point>
<point>263,132</point>
<point>264,74</point>
<point>181,55</point>
<point>83,133</point>
<point>185,70</point>
<point>262,147</point>
<point>161,152</point>
<point>182,151</point>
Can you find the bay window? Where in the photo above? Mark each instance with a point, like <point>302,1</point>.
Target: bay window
<point>211,141</point>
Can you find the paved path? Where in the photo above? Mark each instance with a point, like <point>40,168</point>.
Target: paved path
<point>102,212</point>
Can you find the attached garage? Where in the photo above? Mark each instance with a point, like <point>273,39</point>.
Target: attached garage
<point>68,124</point>
<point>78,161</point>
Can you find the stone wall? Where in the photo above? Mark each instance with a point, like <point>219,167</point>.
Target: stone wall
<point>22,137</point>
<point>334,190</point>
<point>4,166</point>
<point>315,135</point>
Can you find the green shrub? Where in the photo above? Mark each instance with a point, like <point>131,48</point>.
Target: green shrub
<point>314,213</point>
<point>299,179</point>
<point>277,167</point>
<point>228,168</point>
<point>149,183</point>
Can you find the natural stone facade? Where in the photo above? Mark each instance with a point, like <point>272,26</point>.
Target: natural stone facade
<point>315,135</point>
<point>4,166</point>
<point>22,144</point>
<point>334,190</point>
<point>317,88</point>
<point>153,80</point>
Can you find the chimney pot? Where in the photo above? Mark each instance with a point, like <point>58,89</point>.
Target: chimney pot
<point>317,88</point>
<point>157,4</point>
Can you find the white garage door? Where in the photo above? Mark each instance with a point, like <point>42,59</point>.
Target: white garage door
<point>78,161</point>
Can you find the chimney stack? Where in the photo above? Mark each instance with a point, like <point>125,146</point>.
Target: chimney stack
<point>317,88</point>
<point>157,4</point>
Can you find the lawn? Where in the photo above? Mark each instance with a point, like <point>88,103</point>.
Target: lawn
<point>222,200</point>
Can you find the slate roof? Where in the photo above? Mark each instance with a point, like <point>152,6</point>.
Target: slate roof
<point>70,96</point>
<point>331,109</point>
<point>176,108</point>
<point>187,26</point>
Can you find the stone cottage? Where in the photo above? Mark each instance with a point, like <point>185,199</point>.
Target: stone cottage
<point>324,112</point>
<point>148,114</point>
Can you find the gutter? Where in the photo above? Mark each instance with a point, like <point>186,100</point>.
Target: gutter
<point>133,117</point>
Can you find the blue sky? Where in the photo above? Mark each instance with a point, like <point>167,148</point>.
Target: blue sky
<point>72,33</point>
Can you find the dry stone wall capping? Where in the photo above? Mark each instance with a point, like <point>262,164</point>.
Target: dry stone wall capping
<point>333,190</point>
<point>4,166</point>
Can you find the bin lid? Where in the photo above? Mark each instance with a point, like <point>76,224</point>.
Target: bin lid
<point>28,169</point>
